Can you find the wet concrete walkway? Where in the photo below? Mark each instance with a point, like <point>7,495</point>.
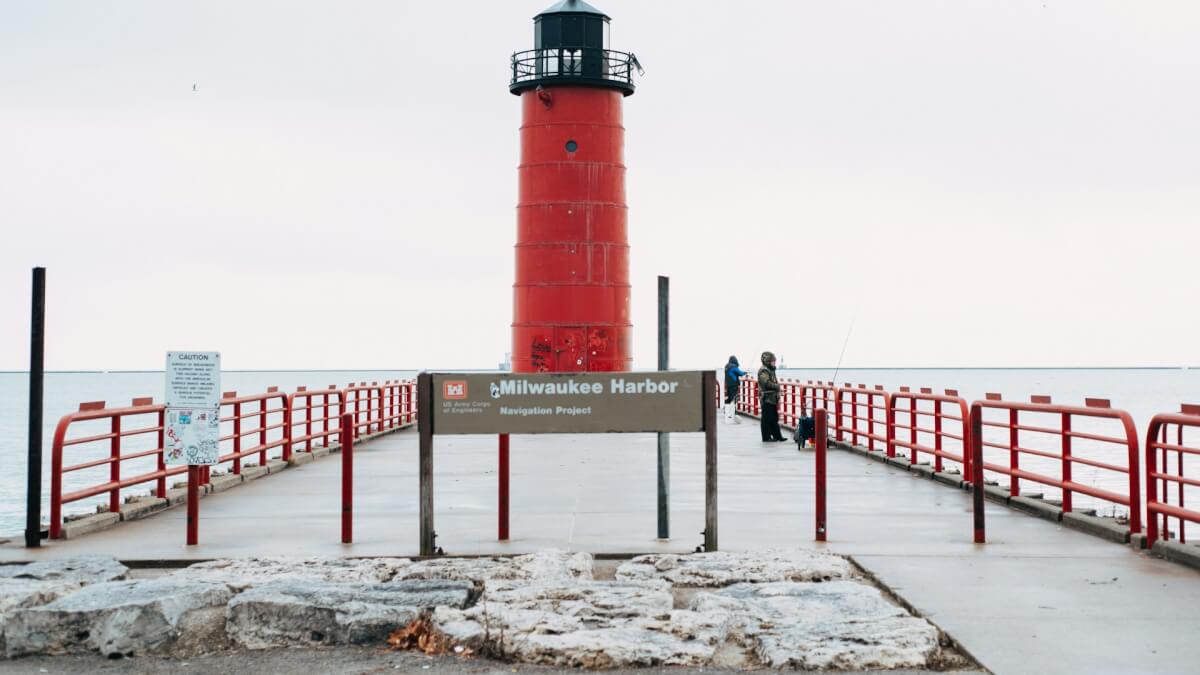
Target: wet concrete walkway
<point>1038,598</point>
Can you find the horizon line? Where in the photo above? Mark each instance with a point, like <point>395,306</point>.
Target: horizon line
<point>417,370</point>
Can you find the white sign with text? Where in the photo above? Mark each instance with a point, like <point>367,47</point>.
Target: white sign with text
<point>193,418</point>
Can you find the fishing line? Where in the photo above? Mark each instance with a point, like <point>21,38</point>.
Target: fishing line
<point>845,342</point>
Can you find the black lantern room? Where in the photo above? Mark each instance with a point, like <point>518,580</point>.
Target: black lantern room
<point>571,42</point>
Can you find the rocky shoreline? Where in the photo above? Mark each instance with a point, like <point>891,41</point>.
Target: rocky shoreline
<point>794,609</point>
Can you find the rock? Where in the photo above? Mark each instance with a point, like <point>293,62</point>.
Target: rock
<point>87,569</point>
<point>169,615</point>
<point>717,569</point>
<point>246,572</point>
<point>43,582</point>
<point>841,625</point>
<point>543,565</point>
<point>585,624</point>
<point>24,593</point>
<point>624,624</point>
<point>303,612</point>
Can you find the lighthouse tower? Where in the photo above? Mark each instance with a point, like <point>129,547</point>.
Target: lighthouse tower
<point>571,291</point>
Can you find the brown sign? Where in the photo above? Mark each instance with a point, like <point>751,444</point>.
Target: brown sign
<point>567,403</point>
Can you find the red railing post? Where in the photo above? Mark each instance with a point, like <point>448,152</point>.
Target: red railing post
<point>1014,463</point>
<point>193,505</point>
<point>839,421</point>
<point>56,473</point>
<point>347,480</point>
<point>262,428</point>
<point>288,402</point>
<point>502,509</point>
<point>822,432</point>
<point>237,437</point>
<point>324,422</point>
<point>1066,462</point>
<point>160,486</point>
<point>114,469</point>
<point>937,436</point>
<point>912,431</point>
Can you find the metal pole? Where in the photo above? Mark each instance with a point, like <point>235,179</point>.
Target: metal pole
<point>503,505</point>
<point>425,429</point>
<point>710,461</point>
<point>347,479</point>
<point>37,343</point>
<point>193,505</point>
<point>821,429</point>
<point>664,440</point>
<point>977,472</point>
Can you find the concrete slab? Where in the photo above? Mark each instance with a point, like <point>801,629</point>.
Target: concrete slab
<point>1184,554</point>
<point>176,496</point>
<point>73,529</point>
<point>250,473</point>
<point>954,480</point>
<point>1036,506</point>
<point>223,483</point>
<point>1105,528</point>
<point>140,508</point>
<point>301,458</point>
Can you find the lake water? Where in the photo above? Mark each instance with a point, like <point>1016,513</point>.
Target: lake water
<point>1141,392</point>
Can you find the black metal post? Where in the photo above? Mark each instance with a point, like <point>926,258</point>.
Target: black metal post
<point>37,353</point>
<point>428,544</point>
<point>710,460</point>
<point>664,440</point>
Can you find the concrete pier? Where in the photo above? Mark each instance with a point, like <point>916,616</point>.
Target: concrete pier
<point>1038,597</point>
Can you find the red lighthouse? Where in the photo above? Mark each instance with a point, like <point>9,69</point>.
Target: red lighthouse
<point>571,291</point>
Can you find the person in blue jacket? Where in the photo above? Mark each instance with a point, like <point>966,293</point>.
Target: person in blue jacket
<point>733,373</point>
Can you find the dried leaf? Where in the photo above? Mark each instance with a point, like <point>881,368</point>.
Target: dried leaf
<point>420,635</point>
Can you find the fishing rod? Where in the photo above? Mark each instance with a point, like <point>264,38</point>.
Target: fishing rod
<point>845,342</point>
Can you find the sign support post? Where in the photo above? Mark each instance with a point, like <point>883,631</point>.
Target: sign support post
<point>664,440</point>
<point>192,423</point>
<point>425,429</point>
<point>193,504</point>
<point>502,507</point>
<point>710,461</point>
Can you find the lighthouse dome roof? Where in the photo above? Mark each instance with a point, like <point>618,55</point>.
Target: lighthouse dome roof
<point>573,7</point>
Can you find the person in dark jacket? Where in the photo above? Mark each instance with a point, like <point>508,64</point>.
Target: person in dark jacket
<point>733,375</point>
<point>768,388</point>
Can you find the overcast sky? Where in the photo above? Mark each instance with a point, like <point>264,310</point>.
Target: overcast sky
<point>971,183</point>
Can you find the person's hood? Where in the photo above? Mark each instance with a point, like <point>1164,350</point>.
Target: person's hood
<point>732,362</point>
<point>767,358</point>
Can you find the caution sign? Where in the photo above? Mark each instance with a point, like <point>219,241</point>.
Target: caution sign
<point>555,403</point>
<point>193,416</point>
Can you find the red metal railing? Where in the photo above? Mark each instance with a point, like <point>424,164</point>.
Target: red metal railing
<point>365,403</point>
<point>129,440</point>
<point>931,424</point>
<point>863,413</point>
<point>142,420</point>
<point>319,416</point>
<point>259,425</point>
<point>939,425</point>
<point>791,393</point>
<point>748,401</point>
<point>1067,454</point>
<point>821,396</point>
<point>1161,446</point>
<point>400,403</point>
